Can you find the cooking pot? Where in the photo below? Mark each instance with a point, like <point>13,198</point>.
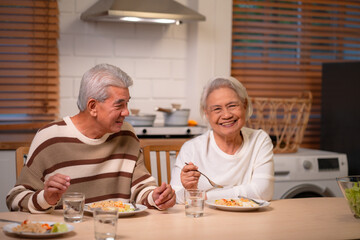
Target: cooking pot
<point>175,117</point>
<point>145,120</point>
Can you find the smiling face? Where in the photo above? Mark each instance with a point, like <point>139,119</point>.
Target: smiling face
<point>111,113</point>
<point>225,112</point>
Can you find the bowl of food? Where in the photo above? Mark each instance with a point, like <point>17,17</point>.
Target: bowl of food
<point>350,187</point>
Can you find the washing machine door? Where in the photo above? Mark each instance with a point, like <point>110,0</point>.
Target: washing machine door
<point>307,190</point>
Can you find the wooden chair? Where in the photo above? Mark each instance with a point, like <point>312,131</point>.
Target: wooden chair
<point>21,155</point>
<point>158,149</point>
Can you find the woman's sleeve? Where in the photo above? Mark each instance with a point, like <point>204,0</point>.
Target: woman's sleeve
<point>28,194</point>
<point>183,156</point>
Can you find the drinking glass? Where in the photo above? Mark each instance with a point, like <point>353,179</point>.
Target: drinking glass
<point>194,203</point>
<point>73,205</point>
<point>105,223</point>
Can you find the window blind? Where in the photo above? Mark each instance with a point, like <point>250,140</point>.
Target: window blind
<point>29,83</point>
<point>278,48</point>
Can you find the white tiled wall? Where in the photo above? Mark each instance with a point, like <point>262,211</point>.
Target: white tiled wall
<point>168,63</point>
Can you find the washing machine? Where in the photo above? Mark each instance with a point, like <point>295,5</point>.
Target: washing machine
<point>308,173</point>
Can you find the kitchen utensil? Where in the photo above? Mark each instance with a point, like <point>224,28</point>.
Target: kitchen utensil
<point>350,187</point>
<point>259,203</point>
<point>178,118</point>
<point>12,221</point>
<point>175,107</point>
<point>165,110</point>
<point>211,182</point>
<point>141,120</point>
<point>134,205</point>
<point>175,117</point>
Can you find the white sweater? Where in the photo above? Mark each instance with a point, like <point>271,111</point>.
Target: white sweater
<point>249,172</point>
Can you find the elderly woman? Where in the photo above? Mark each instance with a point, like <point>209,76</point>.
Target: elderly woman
<point>231,155</point>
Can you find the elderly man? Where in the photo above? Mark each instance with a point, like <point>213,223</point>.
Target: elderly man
<point>94,152</point>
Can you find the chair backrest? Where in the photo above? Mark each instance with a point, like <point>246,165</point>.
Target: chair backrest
<point>21,155</point>
<point>158,149</point>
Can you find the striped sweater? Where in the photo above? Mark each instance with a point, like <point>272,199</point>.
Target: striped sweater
<point>111,167</point>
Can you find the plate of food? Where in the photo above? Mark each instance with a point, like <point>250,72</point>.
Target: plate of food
<point>125,209</point>
<point>237,204</point>
<point>32,229</point>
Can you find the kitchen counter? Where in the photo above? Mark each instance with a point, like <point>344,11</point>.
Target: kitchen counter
<point>167,135</point>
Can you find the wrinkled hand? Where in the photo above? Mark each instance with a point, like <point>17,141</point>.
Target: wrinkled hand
<point>55,187</point>
<point>164,196</point>
<point>189,176</point>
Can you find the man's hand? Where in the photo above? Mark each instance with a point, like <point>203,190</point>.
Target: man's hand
<point>189,176</point>
<point>55,187</point>
<point>164,196</point>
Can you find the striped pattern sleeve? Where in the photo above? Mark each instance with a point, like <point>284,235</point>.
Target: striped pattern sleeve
<point>27,194</point>
<point>142,183</point>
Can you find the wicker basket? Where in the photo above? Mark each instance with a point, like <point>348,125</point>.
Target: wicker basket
<point>284,119</point>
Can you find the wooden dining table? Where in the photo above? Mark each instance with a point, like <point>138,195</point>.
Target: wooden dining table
<point>301,218</point>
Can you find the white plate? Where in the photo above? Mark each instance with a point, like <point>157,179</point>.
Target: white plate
<point>8,229</point>
<point>121,214</point>
<point>263,204</point>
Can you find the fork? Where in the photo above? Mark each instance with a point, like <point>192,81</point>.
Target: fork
<point>257,202</point>
<point>12,221</point>
<point>211,182</point>
<point>134,205</point>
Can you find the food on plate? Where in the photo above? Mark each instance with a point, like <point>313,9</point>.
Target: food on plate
<point>110,204</point>
<point>240,202</point>
<point>37,227</point>
<point>59,227</point>
<point>31,227</point>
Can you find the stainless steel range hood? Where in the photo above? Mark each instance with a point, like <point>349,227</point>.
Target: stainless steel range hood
<point>153,11</point>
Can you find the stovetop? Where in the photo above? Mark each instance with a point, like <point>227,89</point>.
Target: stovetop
<point>169,131</point>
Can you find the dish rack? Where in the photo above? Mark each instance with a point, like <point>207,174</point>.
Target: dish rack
<point>284,119</point>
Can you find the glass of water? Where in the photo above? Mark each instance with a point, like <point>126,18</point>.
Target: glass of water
<point>73,205</point>
<point>194,203</point>
<point>105,223</point>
